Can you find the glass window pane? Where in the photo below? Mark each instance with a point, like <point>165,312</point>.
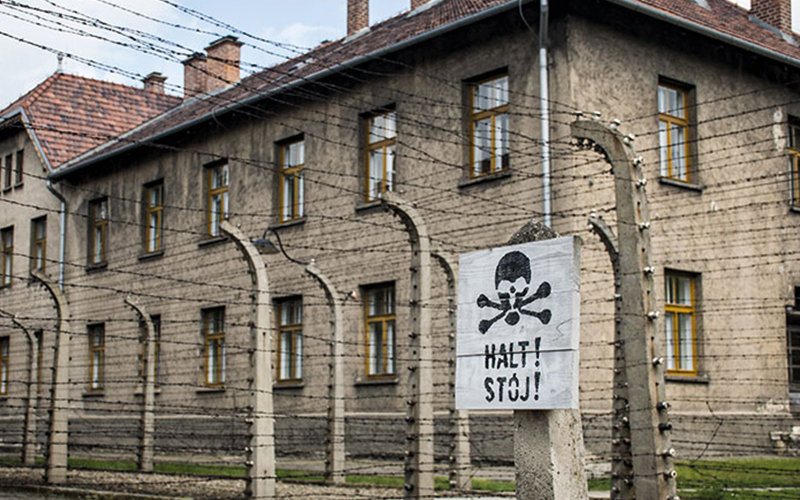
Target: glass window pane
<point>298,359</point>
<point>500,91</point>
<point>300,196</point>
<point>286,353</point>
<point>389,167</point>
<point>375,172</point>
<point>375,348</point>
<point>390,347</point>
<point>678,149</point>
<point>670,342</point>
<point>482,148</point>
<point>663,148</point>
<point>501,139</point>
<point>390,126</point>
<point>686,347</point>
<point>288,196</point>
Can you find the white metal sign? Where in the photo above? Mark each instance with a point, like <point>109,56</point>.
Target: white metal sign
<point>518,327</point>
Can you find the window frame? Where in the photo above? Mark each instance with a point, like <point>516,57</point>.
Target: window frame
<point>8,170</point>
<point>794,159</point>
<point>294,331</point>
<point>97,349</point>
<point>5,364</point>
<point>223,191</point>
<point>297,171</point>
<point>151,210</point>
<point>386,181</point>
<point>98,224</point>
<point>677,121</point>
<point>677,309</point>
<point>38,242</point>
<point>493,113</point>
<point>19,168</point>
<point>209,336</point>
<point>7,261</point>
<point>386,360</point>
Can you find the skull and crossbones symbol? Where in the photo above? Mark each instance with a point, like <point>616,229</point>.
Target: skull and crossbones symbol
<point>512,281</point>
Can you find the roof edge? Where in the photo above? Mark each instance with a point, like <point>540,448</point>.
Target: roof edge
<point>75,164</point>
<point>31,131</point>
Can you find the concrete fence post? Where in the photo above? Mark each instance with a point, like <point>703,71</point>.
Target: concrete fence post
<point>335,459</point>
<point>640,406</point>
<point>58,437</point>
<point>149,383</point>
<point>419,416</point>
<point>260,460</point>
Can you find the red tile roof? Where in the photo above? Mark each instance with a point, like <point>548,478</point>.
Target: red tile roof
<point>71,114</point>
<point>721,18</point>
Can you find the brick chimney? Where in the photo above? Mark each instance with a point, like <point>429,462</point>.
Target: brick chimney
<point>777,13</point>
<point>222,62</point>
<point>415,4</point>
<point>154,82</point>
<point>357,16</point>
<point>195,80</point>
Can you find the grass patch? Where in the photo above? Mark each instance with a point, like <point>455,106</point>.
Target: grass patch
<point>492,485</point>
<point>740,473</point>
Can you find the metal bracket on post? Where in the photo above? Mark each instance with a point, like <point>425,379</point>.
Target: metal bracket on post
<point>335,460</point>
<point>419,418</point>
<point>29,428</point>
<point>260,460</point>
<point>639,390</point>
<point>57,437</point>
<point>460,459</point>
<point>149,374</point>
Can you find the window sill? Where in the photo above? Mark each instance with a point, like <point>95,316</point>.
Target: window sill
<point>388,380</point>
<point>140,393</point>
<point>7,189</point>
<point>370,205</point>
<point>688,379</point>
<point>207,242</point>
<point>503,174</point>
<point>794,208</point>
<point>288,384</point>
<point>94,394</point>
<point>151,255</point>
<point>90,268</point>
<point>289,223</point>
<point>681,184</point>
<point>210,390</point>
<point>18,185</point>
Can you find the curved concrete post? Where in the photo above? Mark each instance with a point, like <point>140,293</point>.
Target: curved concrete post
<point>29,426</point>
<point>641,385</point>
<point>419,420</point>
<point>460,459</point>
<point>261,452</point>
<point>335,460</point>
<point>149,389</point>
<point>57,436</point>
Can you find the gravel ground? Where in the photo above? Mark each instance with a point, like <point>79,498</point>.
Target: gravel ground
<point>188,486</point>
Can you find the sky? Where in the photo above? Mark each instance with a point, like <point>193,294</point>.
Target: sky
<point>30,35</point>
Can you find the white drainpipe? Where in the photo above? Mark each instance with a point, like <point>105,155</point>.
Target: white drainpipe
<point>544,95</point>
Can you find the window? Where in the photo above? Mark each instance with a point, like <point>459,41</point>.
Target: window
<point>292,160</point>
<point>7,237</point>
<point>381,133</point>
<point>379,304</point>
<point>680,325</point>
<point>97,354</point>
<point>153,217</point>
<point>4,366</point>
<point>794,158</point>
<point>156,320</point>
<point>38,243</point>
<point>39,336</point>
<point>7,171</point>
<point>290,337</point>
<point>20,166</point>
<point>488,126</point>
<point>214,333</point>
<point>98,227</point>
<point>218,180</point>
<point>673,132</point>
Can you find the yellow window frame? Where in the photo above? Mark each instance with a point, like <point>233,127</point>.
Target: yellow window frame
<point>294,330</point>
<point>678,121</point>
<point>383,320</point>
<point>294,171</point>
<point>38,243</point>
<point>97,348</point>
<point>474,118</point>
<point>210,315</point>
<point>101,226</point>
<point>222,192</point>
<point>383,145</point>
<point>794,159</point>
<point>7,242</point>
<point>4,364</point>
<point>676,310</point>
<point>150,211</point>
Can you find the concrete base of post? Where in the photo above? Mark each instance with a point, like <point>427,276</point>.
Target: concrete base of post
<point>549,453</point>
